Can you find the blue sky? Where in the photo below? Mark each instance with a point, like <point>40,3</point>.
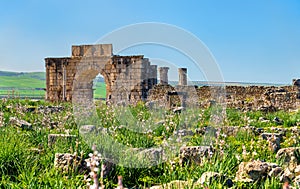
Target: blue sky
<point>251,40</point>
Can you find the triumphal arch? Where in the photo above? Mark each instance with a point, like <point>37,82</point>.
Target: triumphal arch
<point>127,78</point>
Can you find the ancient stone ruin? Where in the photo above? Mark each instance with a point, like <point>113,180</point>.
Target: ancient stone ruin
<point>130,79</point>
<point>126,77</point>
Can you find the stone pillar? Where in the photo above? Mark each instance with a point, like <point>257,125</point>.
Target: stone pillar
<point>163,75</point>
<point>153,75</point>
<point>182,76</point>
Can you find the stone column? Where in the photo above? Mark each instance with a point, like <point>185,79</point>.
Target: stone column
<point>182,76</point>
<point>163,75</point>
<point>153,75</point>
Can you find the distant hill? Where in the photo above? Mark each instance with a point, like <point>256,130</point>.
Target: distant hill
<point>36,75</point>
<point>22,79</point>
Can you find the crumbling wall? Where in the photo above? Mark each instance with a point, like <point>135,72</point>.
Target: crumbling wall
<point>127,78</point>
<point>245,98</point>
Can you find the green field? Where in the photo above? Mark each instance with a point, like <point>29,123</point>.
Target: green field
<point>27,80</point>
<point>25,84</point>
<point>100,90</point>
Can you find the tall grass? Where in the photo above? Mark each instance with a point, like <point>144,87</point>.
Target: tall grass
<point>26,159</point>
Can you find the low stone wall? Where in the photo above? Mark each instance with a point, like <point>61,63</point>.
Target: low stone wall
<point>246,98</point>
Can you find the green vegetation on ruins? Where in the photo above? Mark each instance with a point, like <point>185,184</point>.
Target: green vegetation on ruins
<point>27,160</point>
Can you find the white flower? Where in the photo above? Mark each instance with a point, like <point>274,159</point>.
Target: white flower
<point>88,164</point>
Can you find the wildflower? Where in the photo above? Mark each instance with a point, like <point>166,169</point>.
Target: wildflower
<point>245,153</point>
<point>120,183</point>
<point>286,186</point>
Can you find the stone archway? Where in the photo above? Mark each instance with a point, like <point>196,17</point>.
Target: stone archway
<point>87,70</point>
<point>134,73</point>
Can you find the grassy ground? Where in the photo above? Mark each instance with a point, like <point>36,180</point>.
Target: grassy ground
<point>23,166</point>
<point>21,82</point>
<point>25,84</point>
<point>100,91</point>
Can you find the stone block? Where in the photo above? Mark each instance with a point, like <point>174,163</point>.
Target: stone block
<point>195,153</point>
<point>53,138</point>
<point>76,51</point>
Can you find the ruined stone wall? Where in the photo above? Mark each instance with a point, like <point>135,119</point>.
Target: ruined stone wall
<point>245,98</point>
<point>133,76</point>
<point>127,78</point>
<point>60,73</point>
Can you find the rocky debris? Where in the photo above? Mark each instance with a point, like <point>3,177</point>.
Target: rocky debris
<point>267,109</point>
<point>50,109</point>
<point>266,136</point>
<point>263,120</point>
<point>195,153</point>
<point>254,170</point>
<point>178,109</point>
<point>147,156</point>
<point>234,130</point>
<point>9,108</point>
<point>178,184</point>
<point>256,131</point>
<point>206,130</point>
<point>275,172</point>
<point>53,138</point>
<point>297,171</point>
<point>278,121</point>
<point>287,175</point>
<point>273,139</point>
<point>295,130</point>
<point>230,130</point>
<point>297,181</point>
<point>160,122</point>
<point>279,130</point>
<point>20,123</point>
<point>86,129</point>
<point>289,155</point>
<point>291,171</point>
<point>70,162</point>
<point>208,177</point>
<point>31,109</point>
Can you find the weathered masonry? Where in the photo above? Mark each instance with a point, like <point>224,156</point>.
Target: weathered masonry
<point>127,78</point>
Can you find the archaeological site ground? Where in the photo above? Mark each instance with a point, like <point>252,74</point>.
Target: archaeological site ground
<point>146,132</point>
